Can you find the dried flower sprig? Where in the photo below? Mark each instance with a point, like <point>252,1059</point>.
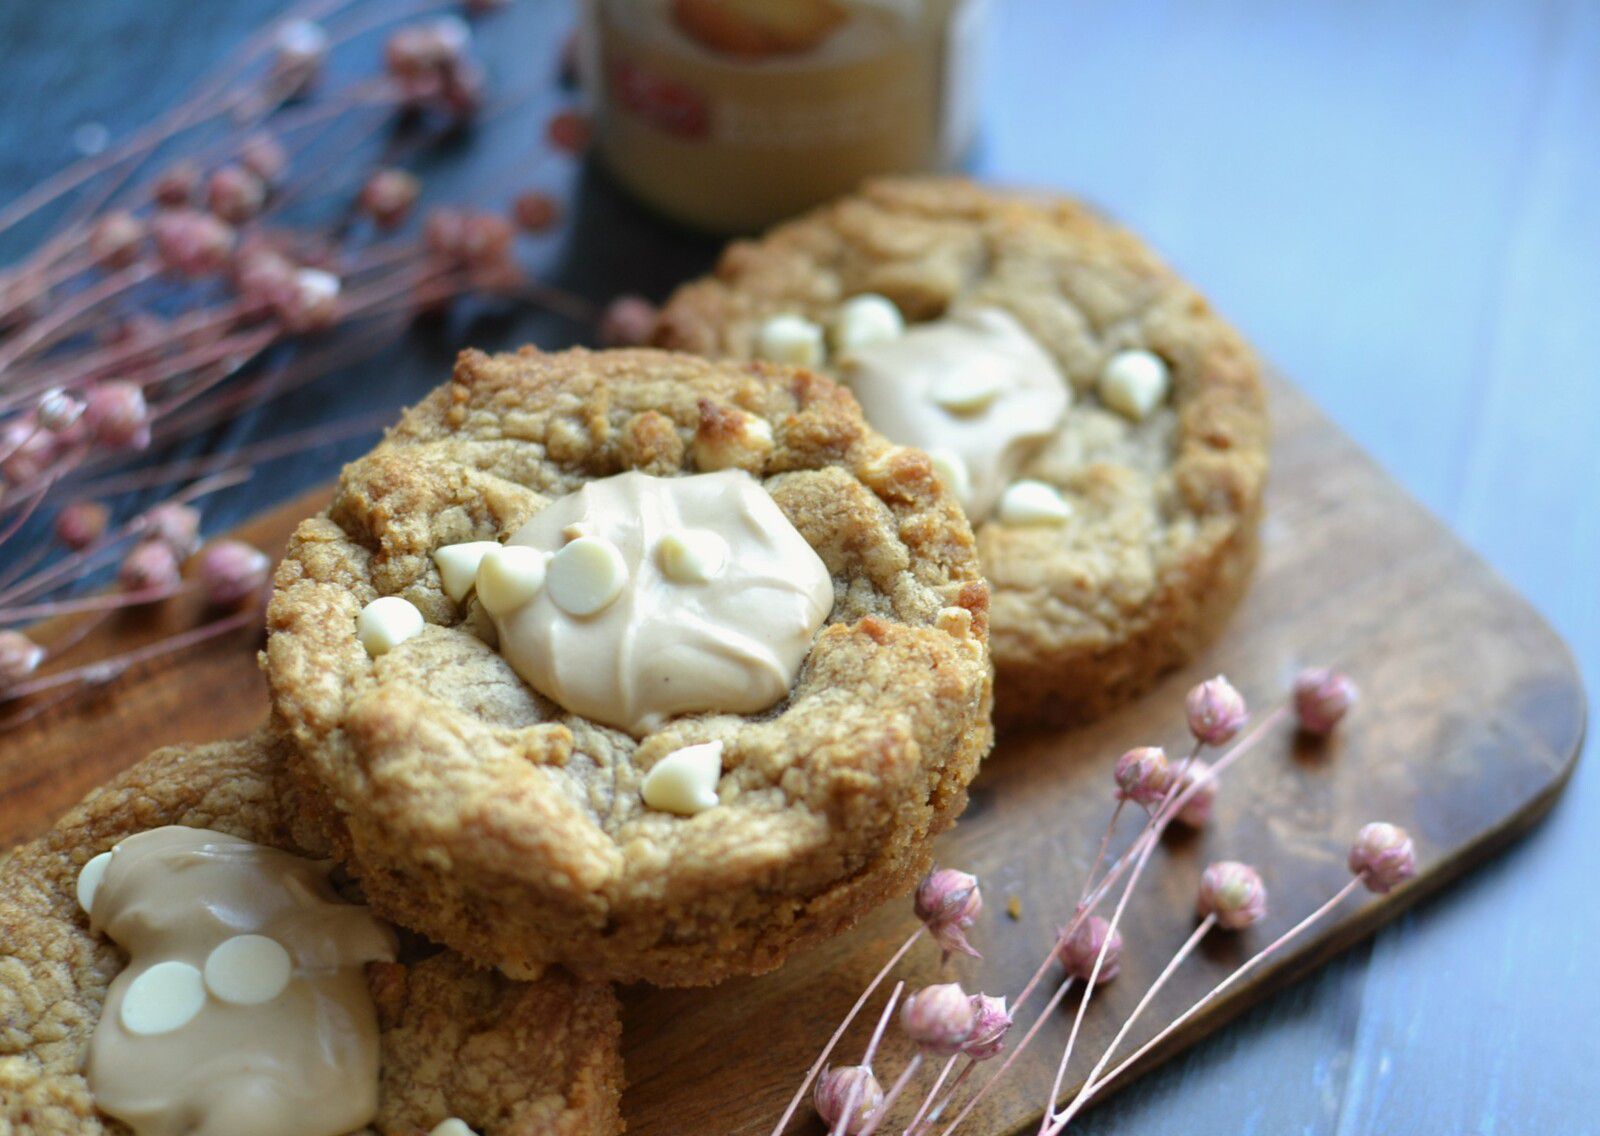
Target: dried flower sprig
<point>1230,897</point>
<point>156,303</point>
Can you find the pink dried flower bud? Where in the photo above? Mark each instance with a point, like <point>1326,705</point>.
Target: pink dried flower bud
<point>191,243</point>
<point>58,410</point>
<point>835,1091</point>
<point>1234,893</point>
<point>232,572</point>
<point>388,196</point>
<point>1143,775</point>
<point>990,1023</point>
<point>115,239</point>
<point>1216,711</point>
<point>26,450</point>
<point>1196,811</point>
<point>442,232</point>
<point>149,567</point>
<point>1383,856</point>
<point>312,302</point>
<point>1078,951</point>
<point>534,211</point>
<point>175,186</point>
<point>264,280</point>
<point>175,525</point>
<point>569,131</point>
<point>117,417</point>
<point>462,88</point>
<point>486,240</point>
<point>628,321</point>
<point>19,658</point>
<point>235,194</point>
<point>82,523</point>
<point>947,902</point>
<point>299,49</point>
<point>422,57</point>
<point>1321,698</point>
<point>938,1018</point>
<point>264,156</point>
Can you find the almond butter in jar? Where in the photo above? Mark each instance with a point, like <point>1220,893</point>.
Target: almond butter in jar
<point>732,114</point>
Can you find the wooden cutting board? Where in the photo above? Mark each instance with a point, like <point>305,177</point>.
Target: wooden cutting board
<point>1470,723</point>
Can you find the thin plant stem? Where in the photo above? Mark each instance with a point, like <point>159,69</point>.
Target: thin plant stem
<point>1167,972</point>
<point>933,1093</point>
<point>108,669</point>
<point>1212,995</point>
<point>950,1094</point>
<point>851,1101</point>
<point>42,333</point>
<point>106,601</point>
<point>816,1066</point>
<point>893,1094</point>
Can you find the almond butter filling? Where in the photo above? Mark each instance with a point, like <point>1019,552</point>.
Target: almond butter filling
<point>244,1008</point>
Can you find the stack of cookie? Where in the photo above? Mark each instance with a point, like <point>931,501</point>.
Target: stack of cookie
<point>642,666</point>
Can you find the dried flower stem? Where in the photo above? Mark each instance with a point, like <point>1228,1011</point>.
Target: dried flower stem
<point>107,601</point>
<point>822,1058</point>
<point>933,1093</point>
<point>893,1094</point>
<point>847,1116</point>
<point>108,669</point>
<point>1167,972</point>
<point>1095,1084</point>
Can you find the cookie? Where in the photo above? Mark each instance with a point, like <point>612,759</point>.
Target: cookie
<point>503,1057</point>
<point>1116,518</point>
<point>652,666</point>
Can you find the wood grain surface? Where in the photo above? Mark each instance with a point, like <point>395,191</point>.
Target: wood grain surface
<point>1354,573</point>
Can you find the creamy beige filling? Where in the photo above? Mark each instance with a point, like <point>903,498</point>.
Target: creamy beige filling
<point>244,1008</point>
<point>973,389</point>
<point>646,597</point>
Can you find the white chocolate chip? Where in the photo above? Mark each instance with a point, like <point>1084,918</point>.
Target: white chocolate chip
<point>162,999</point>
<point>248,970</point>
<point>685,781</point>
<point>1033,503</point>
<point>509,577</point>
<point>692,556</point>
<point>89,880</point>
<point>790,339</point>
<point>452,1127</point>
<point>586,575</point>
<point>458,565</point>
<point>967,391</point>
<point>387,622</point>
<point>952,470</point>
<point>1134,383</point>
<point>864,320</point>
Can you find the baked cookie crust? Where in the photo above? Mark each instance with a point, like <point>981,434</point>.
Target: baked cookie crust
<point>1162,537</point>
<point>482,814</point>
<point>509,1058</point>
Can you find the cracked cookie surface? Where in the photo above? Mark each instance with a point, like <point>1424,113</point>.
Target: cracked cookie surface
<point>508,1058</point>
<point>479,812</point>
<point>1161,537</point>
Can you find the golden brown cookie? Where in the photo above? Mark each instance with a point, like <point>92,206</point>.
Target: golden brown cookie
<point>1158,539</point>
<point>483,814</point>
<point>508,1058</point>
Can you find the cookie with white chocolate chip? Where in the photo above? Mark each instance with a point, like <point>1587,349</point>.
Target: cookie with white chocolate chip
<point>250,996</point>
<point>687,669</point>
<point>1116,524</point>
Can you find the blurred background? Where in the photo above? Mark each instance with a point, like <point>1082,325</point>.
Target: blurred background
<point>1399,203</point>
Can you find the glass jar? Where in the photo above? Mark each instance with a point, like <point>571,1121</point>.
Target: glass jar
<point>731,114</point>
